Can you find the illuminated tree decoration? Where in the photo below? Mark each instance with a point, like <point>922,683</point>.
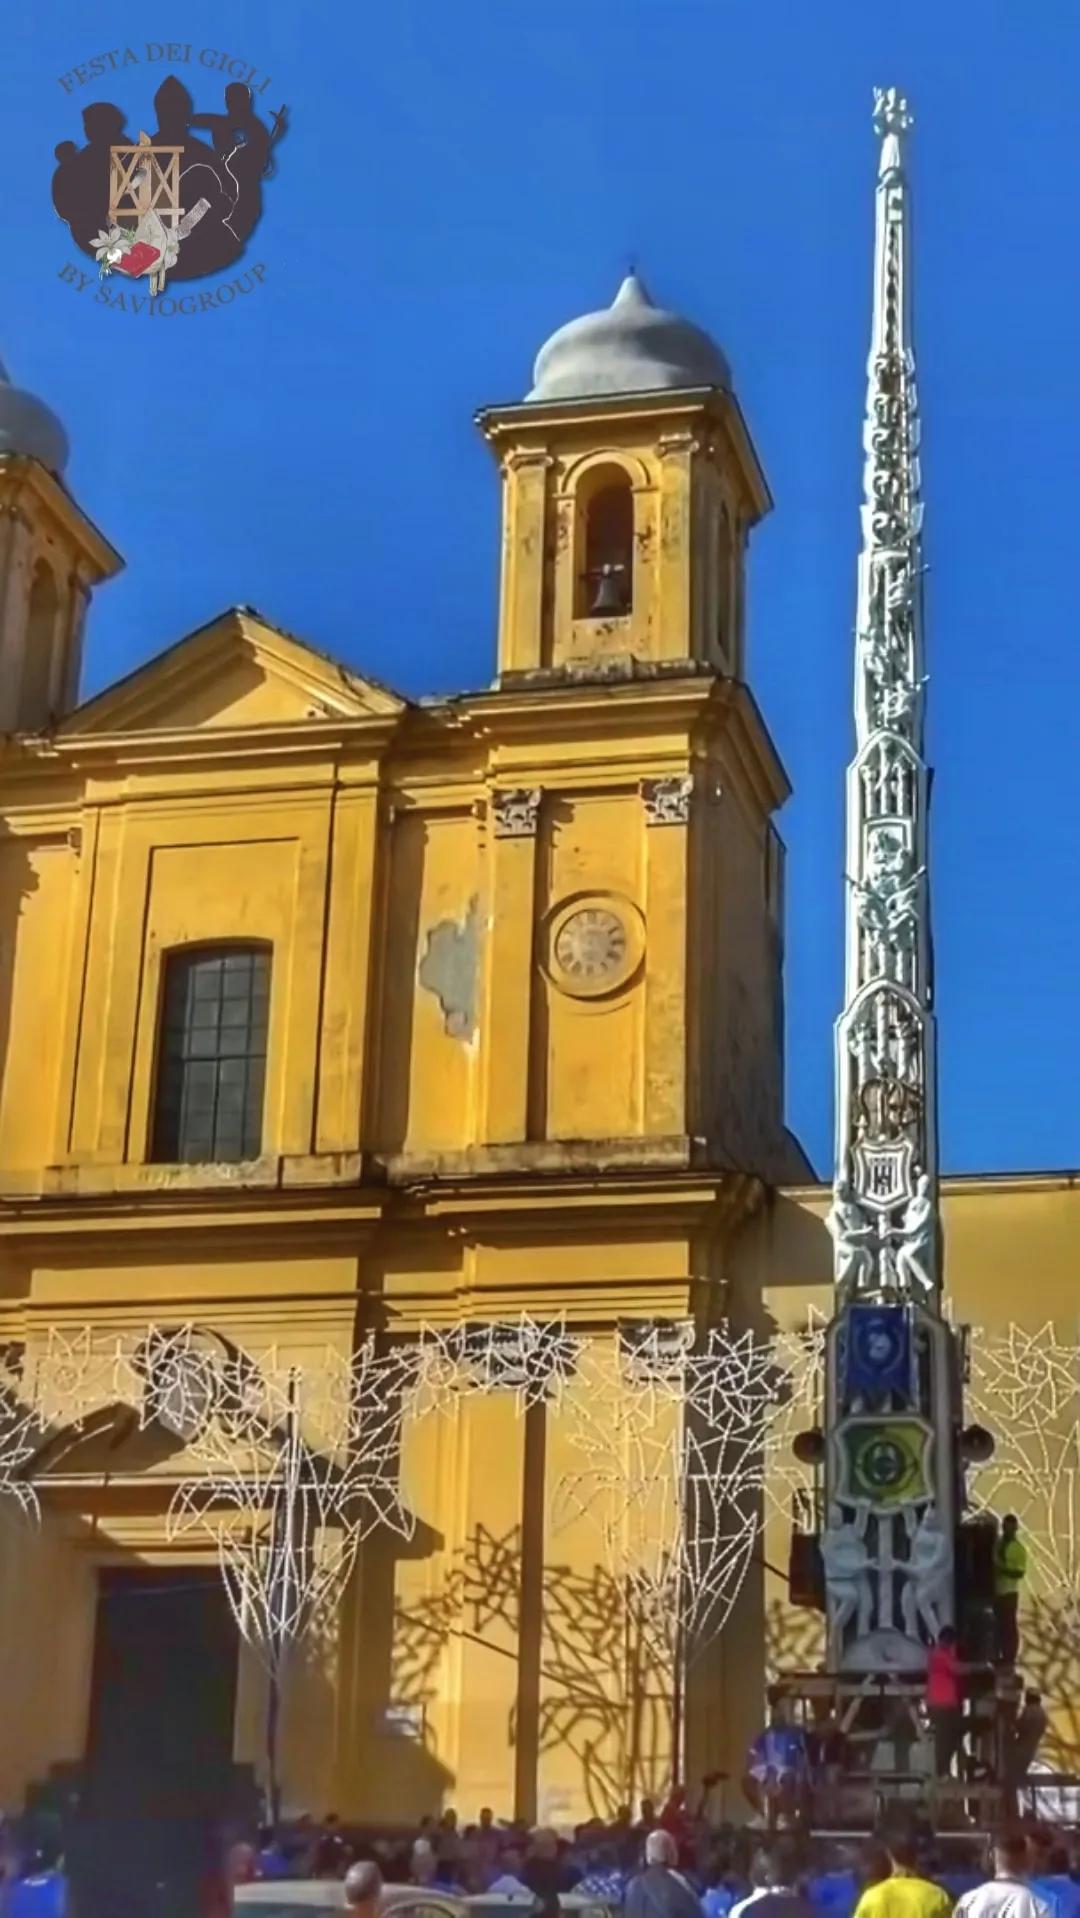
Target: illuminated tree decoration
<point>19,1435</point>
<point>671,1430</point>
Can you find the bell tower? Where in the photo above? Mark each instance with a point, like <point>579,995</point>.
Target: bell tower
<point>637,869</point>
<point>51,558</point>
<point>630,486</point>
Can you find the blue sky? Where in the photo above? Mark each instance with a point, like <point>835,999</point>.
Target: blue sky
<point>460,179</point>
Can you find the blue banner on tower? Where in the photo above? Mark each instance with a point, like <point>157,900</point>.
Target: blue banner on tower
<point>879,1354</point>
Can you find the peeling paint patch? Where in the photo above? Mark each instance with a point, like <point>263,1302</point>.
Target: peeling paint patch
<point>450,968</point>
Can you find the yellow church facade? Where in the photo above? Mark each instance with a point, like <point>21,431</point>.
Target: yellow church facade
<point>328,1015</point>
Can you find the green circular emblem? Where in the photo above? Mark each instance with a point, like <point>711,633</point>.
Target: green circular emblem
<point>883,1463</point>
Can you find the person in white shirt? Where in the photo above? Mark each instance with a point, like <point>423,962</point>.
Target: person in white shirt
<point>1006,1894</point>
<point>760,1885</point>
<point>363,1890</point>
<point>509,1882</point>
<point>660,1890</point>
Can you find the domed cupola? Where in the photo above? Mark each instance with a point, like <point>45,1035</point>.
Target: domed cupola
<point>630,347</point>
<point>29,428</point>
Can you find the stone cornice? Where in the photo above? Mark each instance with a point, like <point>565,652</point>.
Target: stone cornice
<point>266,1209</point>
<point>19,475</point>
<point>287,739</point>
<point>523,721</point>
<point>530,424</point>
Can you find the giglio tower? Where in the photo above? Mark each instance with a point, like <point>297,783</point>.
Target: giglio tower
<point>892,1482</point>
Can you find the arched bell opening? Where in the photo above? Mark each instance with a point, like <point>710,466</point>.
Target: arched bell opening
<point>43,611</point>
<point>605,572</point>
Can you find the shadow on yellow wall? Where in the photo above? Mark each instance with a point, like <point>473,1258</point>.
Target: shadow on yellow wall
<point>590,1670</point>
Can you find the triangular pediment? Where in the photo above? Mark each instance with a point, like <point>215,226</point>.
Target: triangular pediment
<point>238,671</point>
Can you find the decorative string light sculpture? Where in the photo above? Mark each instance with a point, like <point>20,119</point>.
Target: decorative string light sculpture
<point>286,1464</point>
<point>1024,1388</point>
<point>800,1362</point>
<point>295,1465</point>
<point>672,1439</point>
<point>18,1435</point>
<point>532,1358</point>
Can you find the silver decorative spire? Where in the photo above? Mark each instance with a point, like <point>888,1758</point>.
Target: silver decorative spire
<point>884,1217</point>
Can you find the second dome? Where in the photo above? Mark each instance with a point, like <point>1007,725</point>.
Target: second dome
<point>630,347</point>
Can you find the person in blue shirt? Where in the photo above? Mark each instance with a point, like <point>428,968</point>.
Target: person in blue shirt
<point>271,1860</point>
<point>835,1892</point>
<point>777,1778</point>
<point>720,1895</point>
<point>604,1879</point>
<point>40,1892</point>
<point>1051,1881</point>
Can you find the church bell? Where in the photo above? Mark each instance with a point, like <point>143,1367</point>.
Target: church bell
<point>610,595</point>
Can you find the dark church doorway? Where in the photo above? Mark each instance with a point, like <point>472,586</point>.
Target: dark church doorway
<point>159,1754</point>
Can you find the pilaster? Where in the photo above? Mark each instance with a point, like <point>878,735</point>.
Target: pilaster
<point>67,659</point>
<point>525,491</point>
<point>666,804</point>
<point>678,556</point>
<point>345,1011</point>
<point>513,818</point>
<point>16,544</point>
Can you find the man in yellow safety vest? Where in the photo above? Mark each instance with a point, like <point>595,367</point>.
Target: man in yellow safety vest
<point>1010,1570</point>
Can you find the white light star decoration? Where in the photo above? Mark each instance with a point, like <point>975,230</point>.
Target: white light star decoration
<point>671,1434</point>
<point>532,1358</point>
<point>1024,1388</point>
<point>286,1462</point>
<point>296,1464</point>
<point>798,1407</point>
<point>19,1435</point>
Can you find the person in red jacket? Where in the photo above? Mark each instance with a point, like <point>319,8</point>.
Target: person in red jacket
<point>675,1819</point>
<point>945,1700</point>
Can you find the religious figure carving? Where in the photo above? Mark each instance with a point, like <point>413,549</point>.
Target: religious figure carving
<point>852,1232</point>
<point>898,702</point>
<point>898,594</point>
<point>929,1568</point>
<point>516,810</point>
<point>667,801</point>
<point>883,655</point>
<point>848,1592</point>
<point>892,115</point>
<point>885,1039</point>
<point>887,901</point>
<point>887,650</point>
<point>914,1240</point>
<point>887,1108</point>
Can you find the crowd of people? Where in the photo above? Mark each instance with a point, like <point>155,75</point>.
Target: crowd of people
<point>900,1874</point>
<point>491,1855</point>
<point>672,1862</point>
